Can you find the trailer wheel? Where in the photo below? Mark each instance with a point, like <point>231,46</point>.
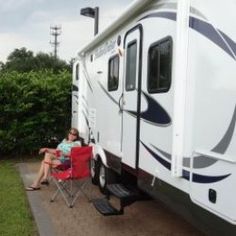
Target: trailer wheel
<point>94,169</point>
<point>106,176</point>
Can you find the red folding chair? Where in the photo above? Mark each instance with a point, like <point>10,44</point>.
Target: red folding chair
<point>79,170</point>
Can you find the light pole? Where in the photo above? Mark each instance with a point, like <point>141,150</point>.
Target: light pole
<point>93,13</point>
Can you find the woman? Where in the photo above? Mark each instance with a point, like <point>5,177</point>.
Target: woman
<point>55,157</point>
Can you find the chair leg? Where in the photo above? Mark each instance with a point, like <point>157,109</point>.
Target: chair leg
<point>81,190</point>
<point>60,187</point>
<point>66,190</point>
<point>54,195</point>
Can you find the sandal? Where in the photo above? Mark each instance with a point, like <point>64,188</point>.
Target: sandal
<point>31,188</point>
<point>45,182</point>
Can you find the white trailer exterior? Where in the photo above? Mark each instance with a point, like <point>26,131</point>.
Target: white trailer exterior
<point>156,94</point>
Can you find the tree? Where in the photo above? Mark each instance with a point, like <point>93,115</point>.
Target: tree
<point>46,61</point>
<point>1,65</point>
<point>23,60</point>
<point>19,60</point>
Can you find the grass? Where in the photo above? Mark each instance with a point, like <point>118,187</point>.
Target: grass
<point>15,214</point>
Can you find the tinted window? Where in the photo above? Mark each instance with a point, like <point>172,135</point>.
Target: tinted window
<point>131,66</point>
<point>159,66</point>
<point>113,73</point>
<point>77,72</point>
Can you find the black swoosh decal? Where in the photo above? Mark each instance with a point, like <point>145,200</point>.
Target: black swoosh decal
<point>204,179</point>
<point>165,163</point>
<point>154,114</point>
<point>75,88</point>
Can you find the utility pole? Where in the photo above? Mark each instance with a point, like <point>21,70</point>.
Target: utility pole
<point>55,31</point>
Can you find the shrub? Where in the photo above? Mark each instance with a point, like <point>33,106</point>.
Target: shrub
<point>35,109</point>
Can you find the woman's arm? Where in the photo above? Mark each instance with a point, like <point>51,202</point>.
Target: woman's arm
<point>47,150</point>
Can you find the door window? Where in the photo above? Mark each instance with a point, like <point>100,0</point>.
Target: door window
<point>131,64</point>
<point>113,73</point>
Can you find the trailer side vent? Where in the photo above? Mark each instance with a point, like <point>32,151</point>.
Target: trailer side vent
<point>212,195</point>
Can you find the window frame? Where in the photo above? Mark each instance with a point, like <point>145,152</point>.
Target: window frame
<point>109,70</point>
<point>156,44</point>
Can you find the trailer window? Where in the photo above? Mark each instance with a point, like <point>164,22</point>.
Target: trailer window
<point>77,72</point>
<point>159,66</point>
<point>131,63</point>
<point>113,73</point>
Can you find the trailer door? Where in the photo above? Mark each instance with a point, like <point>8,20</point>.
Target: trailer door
<point>131,97</point>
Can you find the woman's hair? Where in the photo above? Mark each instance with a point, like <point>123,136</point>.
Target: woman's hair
<point>74,131</point>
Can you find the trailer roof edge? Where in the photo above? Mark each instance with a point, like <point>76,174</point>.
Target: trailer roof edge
<point>125,16</point>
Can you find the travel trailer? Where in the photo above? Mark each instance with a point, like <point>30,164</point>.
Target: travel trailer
<point>155,94</point>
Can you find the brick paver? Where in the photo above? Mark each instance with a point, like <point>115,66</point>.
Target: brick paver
<point>140,219</point>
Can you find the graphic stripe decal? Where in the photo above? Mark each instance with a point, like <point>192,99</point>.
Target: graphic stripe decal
<point>211,33</point>
<point>104,90</point>
<point>197,178</point>
<point>165,163</point>
<point>203,179</point>
<point>204,28</point>
<point>203,161</point>
<point>231,43</point>
<point>86,119</point>
<point>223,145</point>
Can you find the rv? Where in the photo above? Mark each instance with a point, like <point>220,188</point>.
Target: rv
<point>155,94</point>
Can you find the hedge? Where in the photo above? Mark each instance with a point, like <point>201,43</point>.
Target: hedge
<point>34,110</point>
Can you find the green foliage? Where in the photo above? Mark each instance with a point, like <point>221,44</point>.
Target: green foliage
<point>35,109</point>
<point>23,60</point>
<point>14,210</point>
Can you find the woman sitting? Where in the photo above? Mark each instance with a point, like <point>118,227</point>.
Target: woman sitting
<point>54,158</point>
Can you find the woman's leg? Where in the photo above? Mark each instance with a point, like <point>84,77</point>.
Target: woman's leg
<point>44,168</point>
<point>39,175</point>
<point>49,162</point>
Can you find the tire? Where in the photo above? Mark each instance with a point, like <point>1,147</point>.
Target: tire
<point>94,169</point>
<point>106,176</point>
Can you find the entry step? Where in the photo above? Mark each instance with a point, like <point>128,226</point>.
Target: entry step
<point>121,191</point>
<point>105,208</point>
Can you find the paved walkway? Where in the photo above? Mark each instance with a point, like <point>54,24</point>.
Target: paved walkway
<point>140,219</point>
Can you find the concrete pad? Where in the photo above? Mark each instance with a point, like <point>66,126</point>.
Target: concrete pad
<point>42,219</point>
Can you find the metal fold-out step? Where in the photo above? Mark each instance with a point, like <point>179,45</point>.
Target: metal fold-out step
<point>126,195</point>
<point>121,191</point>
<point>105,208</point>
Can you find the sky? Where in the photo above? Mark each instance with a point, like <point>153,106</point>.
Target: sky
<point>26,23</point>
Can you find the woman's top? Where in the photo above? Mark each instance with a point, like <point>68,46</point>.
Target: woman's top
<point>65,147</point>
